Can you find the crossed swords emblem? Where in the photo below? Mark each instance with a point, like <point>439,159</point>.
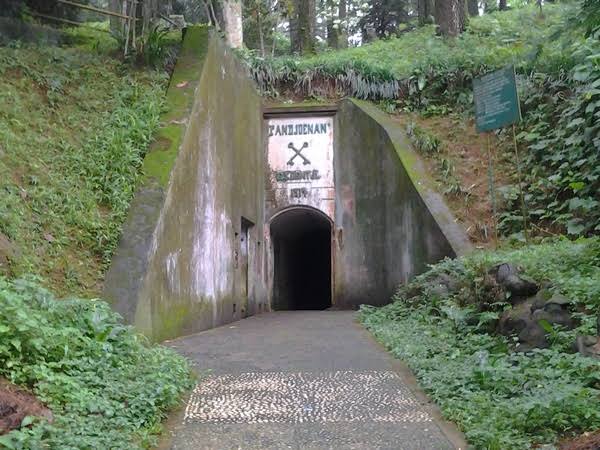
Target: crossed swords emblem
<point>298,153</point>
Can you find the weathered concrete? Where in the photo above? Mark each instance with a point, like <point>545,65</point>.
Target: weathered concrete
<point>199,247</point>
<point>389,221</point>
<point>303,380</point>
<point>178,268</point>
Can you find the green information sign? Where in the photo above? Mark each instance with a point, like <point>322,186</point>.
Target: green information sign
<point>496,100</point>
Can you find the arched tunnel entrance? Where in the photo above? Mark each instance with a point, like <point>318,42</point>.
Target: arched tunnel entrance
<point>301,239</point>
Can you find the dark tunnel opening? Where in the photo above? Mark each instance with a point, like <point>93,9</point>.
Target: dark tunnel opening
<point>302,260</point>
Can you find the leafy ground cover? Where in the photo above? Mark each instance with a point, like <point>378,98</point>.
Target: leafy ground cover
<point>501,399</point>
<point>106,386</point>
<point>75,123</point>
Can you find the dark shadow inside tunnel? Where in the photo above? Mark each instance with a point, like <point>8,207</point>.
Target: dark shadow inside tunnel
<point>302,260</point>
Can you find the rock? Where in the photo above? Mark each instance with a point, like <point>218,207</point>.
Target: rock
<point>533,336</point>
<point>558,299</point>
<point>524,321</point>
<point>514,320</point>
<point>519,321</point>
<point>503,271</point>
<point>554,316</point>
<point>541,298</point>
<point>589,346</point>
<point>519,286</point>
<point>443,285</point>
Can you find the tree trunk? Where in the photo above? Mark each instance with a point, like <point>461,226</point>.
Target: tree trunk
<point>302,26</point>
<point>261,37</point>
<point>232,22</point>
<point>343,27</point>
<point>463,12</point>
<point>332,32</point>
<point>448,17</point>
<point>473,6</point>
<point>425,11</point>
<point>116,23</point>
<point>502,6</point>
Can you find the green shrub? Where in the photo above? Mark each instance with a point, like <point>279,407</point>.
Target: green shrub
<point>106,386</point>
<point>501,400</point>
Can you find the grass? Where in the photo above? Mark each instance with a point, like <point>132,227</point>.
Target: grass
<point>500,399</point>
<point>106,386</point>
<point>75,123</point>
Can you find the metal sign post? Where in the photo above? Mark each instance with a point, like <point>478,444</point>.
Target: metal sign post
<point>497,106</point>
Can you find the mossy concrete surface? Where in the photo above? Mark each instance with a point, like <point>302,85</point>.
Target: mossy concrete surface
<point>180,99</point>
<point>172,274</point>
<point>390,224</point>
<point>192,255</point>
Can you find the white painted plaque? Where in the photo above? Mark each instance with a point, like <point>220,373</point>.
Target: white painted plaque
<point>300,156</point>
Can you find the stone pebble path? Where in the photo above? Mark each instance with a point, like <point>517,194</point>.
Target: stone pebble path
<point>303,380</point>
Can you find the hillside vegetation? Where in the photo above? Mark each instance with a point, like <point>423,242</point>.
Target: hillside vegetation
<point>502,399</point>
<point>105,385</point>
<point>75,123</point>
<point>559,76</point>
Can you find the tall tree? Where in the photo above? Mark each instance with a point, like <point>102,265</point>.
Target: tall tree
<point>426,11</point>
<point>333,35</point>
<point>231,11</point>
<point>502,5</point>
<point>383,17</point>
<point>473,7</point>
<point>302,26</point>
<point>343,24</point>
<point>334,13</point>
<point>463,12</point>
<point>448,16</point>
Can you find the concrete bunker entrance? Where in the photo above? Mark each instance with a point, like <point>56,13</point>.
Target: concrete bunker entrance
<point>302,280</point>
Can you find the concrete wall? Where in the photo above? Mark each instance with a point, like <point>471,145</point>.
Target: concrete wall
<point>389,221</point>
<point>193,255</point>
<point>187,274</point>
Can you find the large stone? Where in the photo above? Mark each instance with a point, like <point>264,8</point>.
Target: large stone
<point>540,299</point>
<point>443,285</point>
<point>519,286</point>
<point>554,316</point>
<point>558,299</point>
<point>533,336</point>
<point>515,320</point>
<point>525,318</point>
<point>519,322</point>
<point>588,346</point>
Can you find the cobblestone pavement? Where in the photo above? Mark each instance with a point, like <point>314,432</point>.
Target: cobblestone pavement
<point>302,380</point>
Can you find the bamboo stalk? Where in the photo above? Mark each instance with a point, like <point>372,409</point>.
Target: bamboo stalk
<point>127,31</point>
<point>92,8</point>
<point>70,22</point>
<point>524,210</point>
<point>134,14</point>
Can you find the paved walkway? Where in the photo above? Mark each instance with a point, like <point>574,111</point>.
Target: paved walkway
<point>303,380</point>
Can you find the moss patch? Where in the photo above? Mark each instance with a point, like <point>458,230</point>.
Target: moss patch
<point>180,98</point>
